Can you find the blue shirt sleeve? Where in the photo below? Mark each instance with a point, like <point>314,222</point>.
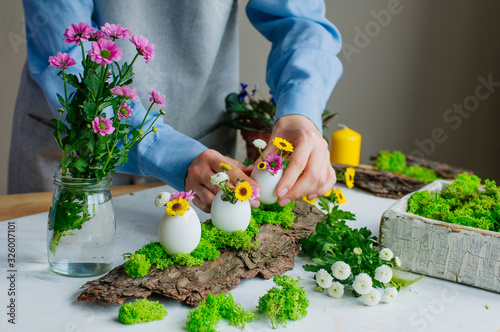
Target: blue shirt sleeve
<point>303,66</point>
<point>166,154</point>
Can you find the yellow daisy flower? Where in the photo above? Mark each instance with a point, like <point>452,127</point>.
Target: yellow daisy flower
<point>261,165</point>
<point>282,144</point>
<point>329,193</point>
<point>310,201</point>
<point>243,191</point>
<point>177,206</point>
<point>349,177</point>
<point>340,196</point>
<point>225,167</point>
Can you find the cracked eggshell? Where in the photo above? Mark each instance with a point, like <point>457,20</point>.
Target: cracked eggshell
<point>180,234</point>
<point>267,183</point>
<point>230,217</point>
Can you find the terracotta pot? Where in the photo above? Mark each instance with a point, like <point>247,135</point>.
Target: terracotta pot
<point>249,137</point>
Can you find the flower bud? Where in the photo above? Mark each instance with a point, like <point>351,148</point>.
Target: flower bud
<point>60,110</point>
<point>141,132</point>
<point>162,112</point>
<point>155,129</point>
<point>319,289</point>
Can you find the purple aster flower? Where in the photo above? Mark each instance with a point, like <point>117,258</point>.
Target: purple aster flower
<point>157,97</point>
<point>61,60</point>
<point>141,44</point>
<point>116,31</point>
<point>104,52</point>
<point>75,33</point>
<point>125,92</point>
<point>243,92</point>
<point>125,111</point>
<point>103,126</point>
<point>274,163</point>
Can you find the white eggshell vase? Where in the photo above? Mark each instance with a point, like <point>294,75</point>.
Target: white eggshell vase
<point>230,217</point>
<point>267,182</point>
<point>180,234</point>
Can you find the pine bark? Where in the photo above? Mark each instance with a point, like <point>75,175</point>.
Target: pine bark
<point>274,256</point>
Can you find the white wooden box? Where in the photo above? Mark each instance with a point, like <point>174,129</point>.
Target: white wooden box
<point>448,251</point>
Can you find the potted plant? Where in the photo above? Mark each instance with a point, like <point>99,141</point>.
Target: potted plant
<point>255,117</point>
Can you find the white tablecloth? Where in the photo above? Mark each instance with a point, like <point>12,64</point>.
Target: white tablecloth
<point>45,301</point>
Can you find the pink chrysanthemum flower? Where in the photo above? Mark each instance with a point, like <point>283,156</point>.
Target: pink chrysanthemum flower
<point>75,33</point>
<point>61,60</point>
<point>188,196</point>
<point>141,43</point>
<point>125,111</point>
<point>157,97</point>
<point>116,31</point>
<point>255,193</point>
<point>103,126</point>
<point>125,92</point>
<point>96,35</point>
<point>104,52</point>
<point>274,163</point>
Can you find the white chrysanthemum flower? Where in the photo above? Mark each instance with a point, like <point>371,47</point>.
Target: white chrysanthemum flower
<point>341,270</point>
<point>389,295</point>
<point>398,261</point>
<point>323,279</point>
<point>357,251</point>
<point>336,290</point>
<point>383,274</point>
<point>162,199</point>
<point>386,254</point>
<point>218,178</point>
<point>259,144</point>
<point>362,284</point>
<point>371,298</point>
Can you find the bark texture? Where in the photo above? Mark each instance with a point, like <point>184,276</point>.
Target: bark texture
<point>393,185</point>
<point>275,255</point>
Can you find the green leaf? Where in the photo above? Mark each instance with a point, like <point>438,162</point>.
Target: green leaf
<point>404,278</point>
<point>61,100</point>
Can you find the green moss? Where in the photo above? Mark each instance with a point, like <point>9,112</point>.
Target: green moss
<point>211,310</point>
<point>275,214</point>
<point>212,240</point>
<point>396,162</point>
<point>286,303</point>
<point>137,266</point>
<point>142,310</point>
<point>462,202</point>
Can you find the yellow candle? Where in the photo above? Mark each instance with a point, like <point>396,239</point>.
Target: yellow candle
<point>345,147</point>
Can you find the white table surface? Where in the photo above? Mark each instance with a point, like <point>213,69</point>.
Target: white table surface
<point>46,301</point>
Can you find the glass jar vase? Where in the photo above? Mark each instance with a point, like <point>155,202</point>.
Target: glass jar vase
<point>81,227</point>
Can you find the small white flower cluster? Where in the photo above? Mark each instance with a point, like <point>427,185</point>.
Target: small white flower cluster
<point>218,178</point>
<point>362,284</point>
<point>162,199</point>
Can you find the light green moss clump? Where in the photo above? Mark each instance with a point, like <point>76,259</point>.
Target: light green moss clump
<point>462,202</point>
<point>142,310</point>
<point>212,240</point>
<point>396,162</point>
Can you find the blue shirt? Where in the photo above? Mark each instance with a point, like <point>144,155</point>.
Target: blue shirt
<point>302,67</point>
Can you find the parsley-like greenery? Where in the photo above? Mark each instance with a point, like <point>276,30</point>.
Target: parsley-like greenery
<point>396,162</point>
<point>462,202</point>
<point>286,303</point>
<point>142,310</point>
<point>211,310</point>
<point>212,240</point>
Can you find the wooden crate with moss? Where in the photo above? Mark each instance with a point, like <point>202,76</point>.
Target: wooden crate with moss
<point>456,250</point>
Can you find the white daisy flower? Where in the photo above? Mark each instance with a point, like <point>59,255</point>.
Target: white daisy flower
<point>162,199</point>
<point>341,270</point>
<point>259,144</point>
<point>357,251</point>
<point>323,279</point>
<point>371,298</point>
<point>398,261</point>
<point>389,295</point>
<point>336,290</point>
<point>218,178</point>
<point>386,254</point>
<point>383,274</point>
<point>362,284</point>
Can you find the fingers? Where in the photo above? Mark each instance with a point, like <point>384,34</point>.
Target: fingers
<point>205,165</point>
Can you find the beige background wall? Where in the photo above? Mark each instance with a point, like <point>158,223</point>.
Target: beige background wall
<point>412,76</point>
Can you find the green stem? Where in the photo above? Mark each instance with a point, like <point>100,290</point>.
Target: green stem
<point>83,54</point>
<point>144,120</point>
<point>128,69</point>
